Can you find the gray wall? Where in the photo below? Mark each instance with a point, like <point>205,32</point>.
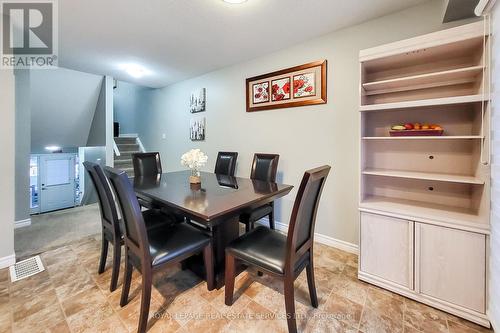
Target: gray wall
<point>108,107</point>
<point>97,132</point>
<point>305,137</point>
<point>495,215</point>
<point>63,103</point>
<point>23,144</point>
<point>7,165</point>
<point>128,105</point>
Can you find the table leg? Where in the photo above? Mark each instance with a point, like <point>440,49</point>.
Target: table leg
<point>222,234</point>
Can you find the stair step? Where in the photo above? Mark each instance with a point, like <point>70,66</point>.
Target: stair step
<point>127,154</point>
<point>128,147</point>
<point>123,167</point>
<point>125,140</point>
<point>127,170</point>
<point>123,162</point>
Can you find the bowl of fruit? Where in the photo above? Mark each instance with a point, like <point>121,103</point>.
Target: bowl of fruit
<point>416,129</point>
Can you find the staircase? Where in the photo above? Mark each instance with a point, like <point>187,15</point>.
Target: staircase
<point>126,146</point>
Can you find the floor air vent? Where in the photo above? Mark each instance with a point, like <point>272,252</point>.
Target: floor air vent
<point>26,268</point>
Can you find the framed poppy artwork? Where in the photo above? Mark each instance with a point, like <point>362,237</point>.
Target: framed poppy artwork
<point>296,86</point>
<point>280,89</point>
<point>260,92</point>
<point>304,85</point>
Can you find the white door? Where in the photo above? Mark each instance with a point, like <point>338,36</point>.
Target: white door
<point>57,181</point>
<point>452,265</point>
<point>387,248</point>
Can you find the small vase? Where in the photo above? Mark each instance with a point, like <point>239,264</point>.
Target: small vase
<point>195,187</point>
<point>195,177</point>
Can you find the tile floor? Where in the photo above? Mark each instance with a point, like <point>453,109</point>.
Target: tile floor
<point>71,297</point>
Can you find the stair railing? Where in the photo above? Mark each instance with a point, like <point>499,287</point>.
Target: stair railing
<point>115,148</point>
<point>139,143</point>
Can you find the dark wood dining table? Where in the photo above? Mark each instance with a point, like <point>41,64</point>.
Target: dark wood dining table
<point>215,205</point>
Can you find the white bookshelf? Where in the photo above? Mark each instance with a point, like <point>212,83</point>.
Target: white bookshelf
<point>415,190</point>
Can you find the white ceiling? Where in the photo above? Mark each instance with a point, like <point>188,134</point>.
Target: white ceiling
<point>179,39</point>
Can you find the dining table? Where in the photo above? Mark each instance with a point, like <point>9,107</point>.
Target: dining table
<point>214,206</point>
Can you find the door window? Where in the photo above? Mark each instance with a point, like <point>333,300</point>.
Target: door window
<point>57,172</point>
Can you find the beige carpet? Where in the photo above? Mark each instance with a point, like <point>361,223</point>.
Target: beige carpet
<point>52,230</point>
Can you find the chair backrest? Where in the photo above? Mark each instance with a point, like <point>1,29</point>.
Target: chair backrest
<point>264,167</point>
<point>135,233</point>
<point>227,181</point>
<point>107,205</point>
<point>226,163</point>
<point>301,231</point>
<point>146,164</point>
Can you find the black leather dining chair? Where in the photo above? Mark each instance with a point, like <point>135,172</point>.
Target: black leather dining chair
<point>279,255</point>
<point>110,222</point>
<point>146,165</point>
<point>264,168</point>
<point>226,163</point>
<point>151,249</point>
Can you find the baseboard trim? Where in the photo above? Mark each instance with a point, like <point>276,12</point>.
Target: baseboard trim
<point>493,321</point>
<point>320,238</point>
<point>7,261</point>
<point>22,223</point>
<point>337,243</point>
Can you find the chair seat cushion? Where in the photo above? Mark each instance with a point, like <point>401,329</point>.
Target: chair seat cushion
<point>171,241</point>
<point>257,214</point>
<point>261,247</point>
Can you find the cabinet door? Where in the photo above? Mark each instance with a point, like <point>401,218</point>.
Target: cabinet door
<point>452,265</point>
<point>387,248</point>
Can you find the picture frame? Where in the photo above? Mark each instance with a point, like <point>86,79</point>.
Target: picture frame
<point>197,101</point>
<point>260,92</point>
<point>197,129</point>
<point>281,89</point>
<point>291,87</point>
<point>303,85</point>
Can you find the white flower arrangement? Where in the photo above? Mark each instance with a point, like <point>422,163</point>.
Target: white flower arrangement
<point>194,159</point>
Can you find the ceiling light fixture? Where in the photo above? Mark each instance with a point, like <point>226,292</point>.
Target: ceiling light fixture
<point>135,70</point>
<point>235,1</point>
<point>53,149</point>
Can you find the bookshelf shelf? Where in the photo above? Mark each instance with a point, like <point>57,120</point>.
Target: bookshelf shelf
<point>424,103</point>
<point>423,81</point>
<point>426,212</point>
<point>442,137</point>
<point>441,177</point>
